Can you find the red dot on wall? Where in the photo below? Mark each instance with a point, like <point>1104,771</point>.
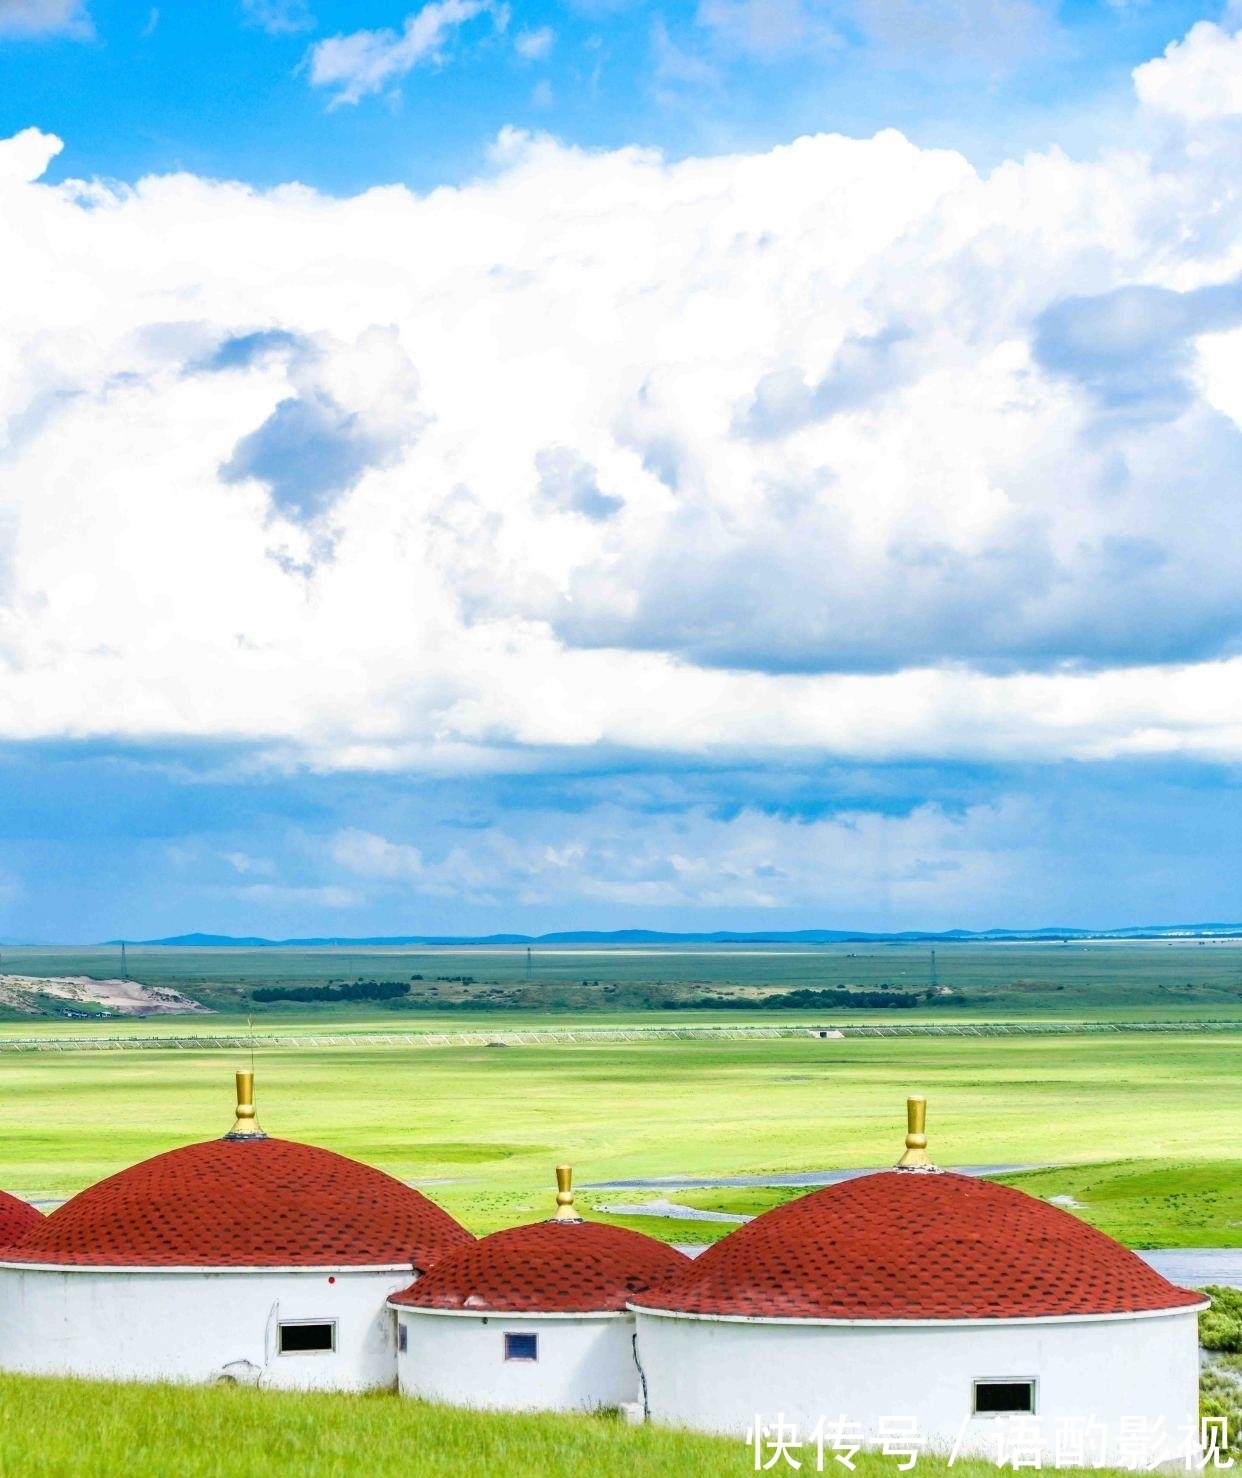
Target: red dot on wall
<point>331,1280</point>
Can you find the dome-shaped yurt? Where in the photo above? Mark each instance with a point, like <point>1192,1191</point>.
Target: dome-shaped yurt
<point>922,1297</point>
<point>533,1317</point>
<point>242,1258</point>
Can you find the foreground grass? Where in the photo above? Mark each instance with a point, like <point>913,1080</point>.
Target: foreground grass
<point>81,1429</point>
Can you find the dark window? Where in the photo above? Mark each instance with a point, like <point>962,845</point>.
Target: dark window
<point>307,1339</point>
<point>403,1337</point>
<point>1001,1397</point>
<point>521,1347</point>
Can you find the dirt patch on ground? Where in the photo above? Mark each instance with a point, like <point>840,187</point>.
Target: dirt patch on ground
<point>37,995</point>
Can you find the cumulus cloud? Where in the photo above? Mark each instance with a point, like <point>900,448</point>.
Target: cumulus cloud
<point>1196,79</point>
<point>839,447</point>
<point>45,18</point>
<point>365,62</point>
<point>25,156</point>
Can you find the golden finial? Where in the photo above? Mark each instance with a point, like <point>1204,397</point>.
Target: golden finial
<point>916,1156</point>
<point>565,1195</point>
<point>246,1126</point>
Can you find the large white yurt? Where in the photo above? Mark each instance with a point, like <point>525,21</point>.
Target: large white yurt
<point>918,1300</point>
<point>533,1317</point>
<point>243,1258</point>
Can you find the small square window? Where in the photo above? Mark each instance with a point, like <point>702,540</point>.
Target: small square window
<point>305,1338</point>
<point>403,1337</point>
<point>521,1347</point>
<point>1004,1397</point>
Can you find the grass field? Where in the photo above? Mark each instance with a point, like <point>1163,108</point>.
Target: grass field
<point>1138,1130</point>
<point>89,1430</point>
<point>481,1128</point>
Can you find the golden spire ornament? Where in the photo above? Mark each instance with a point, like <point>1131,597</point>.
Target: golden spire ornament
<point>916,1156</point>
<point>565,1195</point>
<point>246,1125</point>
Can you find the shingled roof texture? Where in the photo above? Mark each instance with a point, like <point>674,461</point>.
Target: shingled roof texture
<point>16,1218</point>
<point>244,1203</point>
<point>917,1246</point>
<point>552,1267</point>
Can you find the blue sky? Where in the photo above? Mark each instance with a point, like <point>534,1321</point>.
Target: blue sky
<point>227,90</point>
<point>423,510</point>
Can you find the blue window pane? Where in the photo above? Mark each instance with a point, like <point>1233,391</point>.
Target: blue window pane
<point>521,1347</point>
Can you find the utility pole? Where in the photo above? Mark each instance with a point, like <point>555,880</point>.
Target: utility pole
<point>528,962</point>
<point>934,982</point>
<point>124,963</point>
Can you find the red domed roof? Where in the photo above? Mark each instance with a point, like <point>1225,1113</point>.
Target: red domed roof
<point>244,1203</point>
<point>16,1218</point>
<point>553,1267</point>
<point>917,1246</point>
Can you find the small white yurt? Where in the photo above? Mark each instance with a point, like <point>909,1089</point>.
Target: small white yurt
<point>243,1258</point>
<point>532,1318</point>
<point>926,1302</point>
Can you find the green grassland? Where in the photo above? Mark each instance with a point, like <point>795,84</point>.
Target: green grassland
<point>1140,1128</point>
<point>1186,979</point>
<point>93,1430</point>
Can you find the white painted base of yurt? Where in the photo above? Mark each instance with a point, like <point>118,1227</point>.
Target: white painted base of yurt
<point>716,1374</point>
<point>585,1361</point>
<point>198,1324</point>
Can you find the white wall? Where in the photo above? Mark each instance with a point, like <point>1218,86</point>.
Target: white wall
<point>585,1361</point>
<point>189,1325</point>
<point>717,1375</point>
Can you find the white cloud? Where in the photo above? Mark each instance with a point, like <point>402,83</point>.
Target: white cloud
<point>366,62</point>
<point>279,17</point>
<point>25,156</point>
<point>535,45</point>
<point>837,448</point>
<point>920,864</point>
<point>370,856</point>
<point>1197,78</point>
<point>45,18</point>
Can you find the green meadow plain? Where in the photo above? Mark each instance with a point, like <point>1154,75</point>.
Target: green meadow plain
<point>1137,1128</point>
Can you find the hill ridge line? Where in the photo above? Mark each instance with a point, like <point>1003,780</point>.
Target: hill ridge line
<point>655,936</point>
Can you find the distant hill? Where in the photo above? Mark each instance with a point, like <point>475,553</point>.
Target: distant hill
<point>653,936</point>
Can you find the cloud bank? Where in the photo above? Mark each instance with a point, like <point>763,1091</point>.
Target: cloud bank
<point>838,449</point>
